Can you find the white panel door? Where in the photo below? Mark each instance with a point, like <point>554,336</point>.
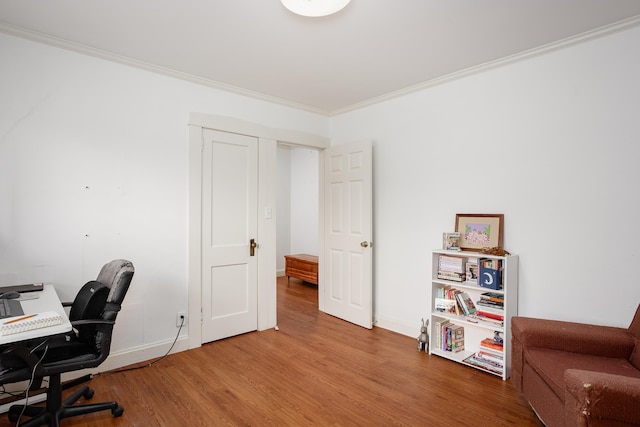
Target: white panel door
<point>229,223</point>
<point>347,288</point>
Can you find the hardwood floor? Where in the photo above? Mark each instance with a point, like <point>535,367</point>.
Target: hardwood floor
<point>316,370</point>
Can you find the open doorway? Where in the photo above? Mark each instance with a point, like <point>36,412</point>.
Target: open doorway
<point>297,198</point>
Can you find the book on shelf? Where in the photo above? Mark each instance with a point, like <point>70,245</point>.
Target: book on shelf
<point>492,297</point>
<point>451,241</point>
<point>451,275</point>
<point>480,312</point>
<point>447,302</point>
<point>488,320</point>
<point>445,305</point>
<point>439,325</point>
<point>489,344</point>
<point>495,309</point>
<point>466,303</point>
<point>494,322</point>
<point>491,357</point>
<point>490,316</point>
<point>490,361</point>
<point>445,338</point>
<point>474,360</point>
<point>490,275</point>
<point>490,304</point>
<point>450,263</point>
<point>494,264</point>
<point>454,338</point>
<point>457,338</point>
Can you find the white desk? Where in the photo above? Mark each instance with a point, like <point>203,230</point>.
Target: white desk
<point>47,301</point>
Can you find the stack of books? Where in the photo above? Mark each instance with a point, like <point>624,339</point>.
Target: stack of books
<point>489,357</point>
<point>451,268</point>
<point>450,337</point>
<point>490,307</point>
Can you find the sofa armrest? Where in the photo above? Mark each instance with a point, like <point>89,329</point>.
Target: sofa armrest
<point>605,341</point>
<point>599,399</point>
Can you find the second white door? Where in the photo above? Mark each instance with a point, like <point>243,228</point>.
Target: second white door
<point>347,282</point>
<point>229,227</point>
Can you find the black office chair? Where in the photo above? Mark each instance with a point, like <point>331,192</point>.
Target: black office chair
<point>92,315</point>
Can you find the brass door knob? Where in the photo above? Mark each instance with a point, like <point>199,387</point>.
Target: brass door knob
<point>252,247</point>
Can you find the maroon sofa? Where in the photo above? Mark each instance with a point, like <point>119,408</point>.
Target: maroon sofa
<point>575,374</point>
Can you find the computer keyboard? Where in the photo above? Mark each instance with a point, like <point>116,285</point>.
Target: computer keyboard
<point>29,323</point>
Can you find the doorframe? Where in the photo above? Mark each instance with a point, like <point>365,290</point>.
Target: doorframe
<point>268,139</point>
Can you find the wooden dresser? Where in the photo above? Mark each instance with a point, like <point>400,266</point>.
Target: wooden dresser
<point>303,267</point>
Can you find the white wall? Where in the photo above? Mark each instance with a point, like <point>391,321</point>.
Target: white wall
<point>94,166</point>
<point>551,142</point>
<point>298,203</point>
<point>304,201</point>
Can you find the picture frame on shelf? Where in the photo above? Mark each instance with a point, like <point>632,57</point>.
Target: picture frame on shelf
<point>478,231</point>
<point>451,241</point>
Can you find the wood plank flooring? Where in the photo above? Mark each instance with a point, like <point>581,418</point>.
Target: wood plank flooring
<point>315,371</point>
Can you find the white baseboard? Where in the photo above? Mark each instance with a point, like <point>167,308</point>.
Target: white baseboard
<point>144,353</point>
<point>397,326</point>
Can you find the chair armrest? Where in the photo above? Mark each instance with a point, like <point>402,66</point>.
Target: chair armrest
<point>598,399</point>
<point>92,322</point>
<point>606,341</point>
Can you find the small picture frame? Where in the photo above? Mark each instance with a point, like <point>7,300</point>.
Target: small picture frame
<point>472,271</point>
<point>451,241</point>
<point>478,231</point>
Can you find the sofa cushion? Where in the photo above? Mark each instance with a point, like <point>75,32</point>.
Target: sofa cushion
<point>635,356</point>
<point>634,329</point>
<point>551,364</point>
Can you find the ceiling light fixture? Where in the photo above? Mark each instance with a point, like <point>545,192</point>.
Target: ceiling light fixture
<point>315,8</point>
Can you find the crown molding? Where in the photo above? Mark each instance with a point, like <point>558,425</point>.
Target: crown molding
<point>557,45</point>
<point>102,54</point>
<point>110,56</point>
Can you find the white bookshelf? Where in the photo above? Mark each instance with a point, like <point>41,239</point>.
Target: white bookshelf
<point>475,332</point>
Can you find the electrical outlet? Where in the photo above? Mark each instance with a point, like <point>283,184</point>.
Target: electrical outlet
<point>180,318</point>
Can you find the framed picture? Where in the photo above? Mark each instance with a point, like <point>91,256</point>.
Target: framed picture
<point>479,231</point>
